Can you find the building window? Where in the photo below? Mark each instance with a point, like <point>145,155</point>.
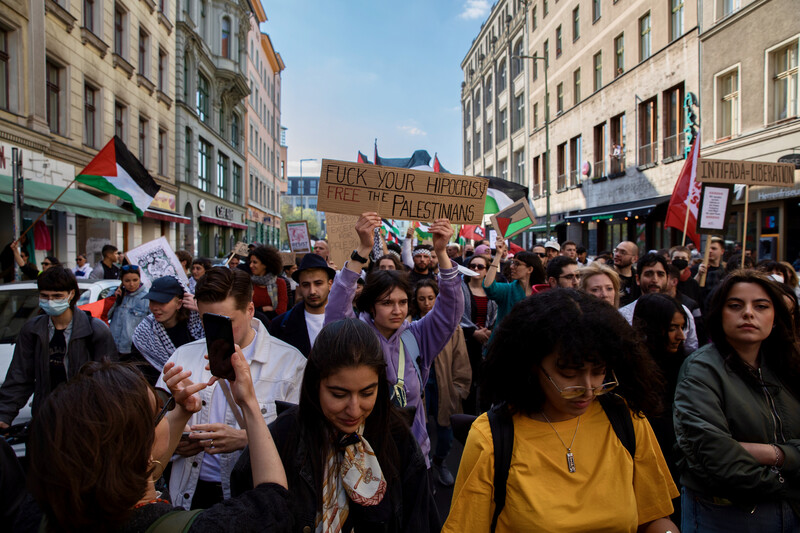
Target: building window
<point>728,105</point>
<point>537,177</point>
<point>619,55</point>
<point>519,160</point>
<point>536,115</point>
<point>467,152</point>
<point>312,187</point>
<point>545,9</point>
<point>226,37</point>
<point>673,122</point>
<point>502,169</point>
<point>560,98</point>
<point>202,98</point>
<point>534,21</point>
<point>783,63</point>
<point>235,130</point>
<point>617,149</point>
<point>144,52</point>
<point>648,132</point>
<point>162,152</point>
<point>598,71</point>
<point>576,87</point>
<point>237,184</point>
<point>558,42</point>
<point>54,95</point>
<point>477,151</point>
<point>644,37</point>
<point>576,23</point>
<point>502,125</point>
<point>5,70</point>
<point>676,19</point>
<point>163,70</point>
<point>88,15</point>
<point>600,144</point>
<point>575,160</point>
<point>222,176</point>
<point>467,114</point>
<point>516,64</point>
<point>561,168</point>
<point>186,81</point>
<point>119,31</point>
<point>487,143</point>
<point>90,116</point>
<point>476,105</point>
<point>203,165</point>
<point>518,120</point>
<point>488,91</point>
<point>187,156</point>
<point>546,53</point>
<point>143,126</point>
<point>595,10</point>
<point>501,77</point>
<point>726,7</point>
<point>221,121</point>
<point>120,121</point>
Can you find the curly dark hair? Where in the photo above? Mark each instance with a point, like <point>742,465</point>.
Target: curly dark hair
<point>269,257</point>
<point>546,323</point>
<point>102,466</point>
<point>780,349</point>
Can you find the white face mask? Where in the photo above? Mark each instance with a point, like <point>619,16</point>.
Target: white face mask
<point>777,277</point>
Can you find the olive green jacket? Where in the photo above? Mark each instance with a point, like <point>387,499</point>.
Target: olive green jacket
<point>714,410</point>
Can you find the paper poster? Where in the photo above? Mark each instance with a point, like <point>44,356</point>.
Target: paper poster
<point>713,210</point>
<point>156,259</point>
<point>342,237</point>
<point>298,236</point>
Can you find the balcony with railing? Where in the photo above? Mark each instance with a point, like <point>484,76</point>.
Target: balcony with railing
<point>617,164</point>
<point>648,154</point>
<point>673,147</point>
<point>561,182</point>
<point>599,170</point>
<point>574,177</point>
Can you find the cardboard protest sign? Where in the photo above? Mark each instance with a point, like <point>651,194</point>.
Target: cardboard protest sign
<point>400,193</point>
<point>288,258</point>
<point>156,259</point>
<point>715,201</point>
<point>298,236</point>
<point>747,172</point>
<point>514,219</point>
<point>241,249</point>
<point>342,237</point>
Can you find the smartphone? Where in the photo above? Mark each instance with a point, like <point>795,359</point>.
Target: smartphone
<point>185,436</point>
<point>219,341</point>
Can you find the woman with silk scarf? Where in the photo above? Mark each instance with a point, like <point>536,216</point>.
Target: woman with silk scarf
<point>350,459</point>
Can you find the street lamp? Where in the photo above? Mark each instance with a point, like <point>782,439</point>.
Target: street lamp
<point>301,165</point>
<point>546,135</point>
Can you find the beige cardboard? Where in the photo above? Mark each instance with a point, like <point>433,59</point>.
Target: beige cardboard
<point>241,249</point>
<point>287,258</point>
<point>400,193</point>
<point>342,237</point>
<point>746,172</point>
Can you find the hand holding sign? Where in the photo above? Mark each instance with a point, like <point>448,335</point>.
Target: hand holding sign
<point>365,227</point>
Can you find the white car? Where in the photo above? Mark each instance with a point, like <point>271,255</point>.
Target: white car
<point>19,302</point>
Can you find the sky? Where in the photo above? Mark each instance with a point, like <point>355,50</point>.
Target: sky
<point>364,69</point>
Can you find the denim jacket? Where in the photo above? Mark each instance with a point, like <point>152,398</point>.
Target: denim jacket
<point>126,316</point>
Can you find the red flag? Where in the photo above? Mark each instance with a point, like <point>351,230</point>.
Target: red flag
<point>100,308</point>
<point>471,231</point>
<point>686,195</point>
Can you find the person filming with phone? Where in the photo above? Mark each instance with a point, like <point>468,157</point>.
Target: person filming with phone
<point>216,435</point>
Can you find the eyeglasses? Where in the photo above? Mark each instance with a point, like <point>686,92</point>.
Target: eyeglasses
<point>571,277</point>
<point>477,267</point>
<point>130,268</point>
<point>570,393</point>
<point>540,254</point>
<point>167,402</point>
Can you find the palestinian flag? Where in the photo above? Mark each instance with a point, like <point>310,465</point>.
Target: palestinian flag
<point>437,166</point>
<point>513,219</point>
<point>423,231</point>
<point>391,232</point>
<point>420,159</point>
<point>472,231</point>
<point>116,171</point>
<point>501,194</point>
<point>362,158</point>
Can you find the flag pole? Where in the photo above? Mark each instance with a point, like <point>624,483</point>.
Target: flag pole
<point>685,226</point>
<point>45,211</point>
<point>702,281</point>
<point>744,230</point>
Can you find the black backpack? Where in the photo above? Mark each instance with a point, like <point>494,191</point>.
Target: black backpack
<point>503,440</point>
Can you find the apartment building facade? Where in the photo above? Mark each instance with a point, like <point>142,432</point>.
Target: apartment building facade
<point>749,100</point>
<point>211,89</point>
<point>265,165</point>
<point>622,82</point>
<point>72,75</point>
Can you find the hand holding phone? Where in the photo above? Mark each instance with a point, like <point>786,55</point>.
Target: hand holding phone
<point>219,341</point>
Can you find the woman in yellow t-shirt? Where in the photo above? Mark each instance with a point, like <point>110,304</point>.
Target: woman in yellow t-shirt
<point>550,359</point>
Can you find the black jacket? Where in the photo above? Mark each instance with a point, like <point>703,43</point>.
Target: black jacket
<point>291,327</point>
<point>29,371</point>
<point>407,506</point>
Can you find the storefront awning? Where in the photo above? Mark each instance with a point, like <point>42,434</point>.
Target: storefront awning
<point>621,210</point>
<point>167,217</point>
<point>222,222</point>
<point>40,195</point>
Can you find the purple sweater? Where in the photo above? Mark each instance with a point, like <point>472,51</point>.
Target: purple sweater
<point>432,332</point>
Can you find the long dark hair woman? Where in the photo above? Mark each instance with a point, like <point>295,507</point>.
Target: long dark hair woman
<point>553,356</point>
<point>350,459</point>
<point>100,441</point>
<point>270,294</point>
<point>737,414</point>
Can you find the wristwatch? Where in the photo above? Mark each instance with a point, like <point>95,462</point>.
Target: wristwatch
<point>356,257</point>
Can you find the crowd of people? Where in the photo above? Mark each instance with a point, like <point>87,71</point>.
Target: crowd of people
<point>632,391</point>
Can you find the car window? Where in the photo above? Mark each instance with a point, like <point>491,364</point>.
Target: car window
<point>16,308</point>
<point>108,291</point>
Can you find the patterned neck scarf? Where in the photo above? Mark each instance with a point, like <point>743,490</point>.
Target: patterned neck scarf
<point>270,282</point>
<point>153,342</point>
<point>352,472</point>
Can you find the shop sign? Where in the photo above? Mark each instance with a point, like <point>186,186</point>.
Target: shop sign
<point>164,200</point>
<point>791,158</point>
<point>224,212</point>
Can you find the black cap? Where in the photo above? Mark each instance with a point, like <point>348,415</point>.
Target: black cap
<point>313,261</point>
<point>165,289</point>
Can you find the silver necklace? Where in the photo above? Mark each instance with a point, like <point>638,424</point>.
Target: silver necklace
<point>570,457</point>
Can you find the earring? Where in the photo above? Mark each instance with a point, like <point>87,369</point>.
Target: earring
<point>157,462</point>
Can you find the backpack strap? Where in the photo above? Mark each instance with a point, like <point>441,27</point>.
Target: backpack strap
<point>412,349</point>
<point>174,521</point>
<point>503,440</point>
<point>619,415</point>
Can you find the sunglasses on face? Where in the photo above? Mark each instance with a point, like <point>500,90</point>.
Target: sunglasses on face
<point>540,254</point>
<point>477,267</point>
<point>570,393</point>
<point>167,402</point>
